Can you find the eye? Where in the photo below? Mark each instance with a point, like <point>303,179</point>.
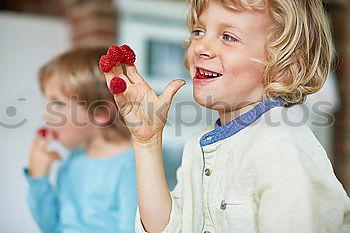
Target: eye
<point>58,103</point>
<point>197,32</point>
<point>228,37</point>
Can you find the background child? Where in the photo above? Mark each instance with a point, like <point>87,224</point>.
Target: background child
<point>251,171</point>
<point>96,185</point>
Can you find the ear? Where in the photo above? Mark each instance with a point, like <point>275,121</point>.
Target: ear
<point>102,119</point>
<point>107,115</point>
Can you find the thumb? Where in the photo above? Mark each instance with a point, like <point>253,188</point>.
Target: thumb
<point>171,90</point>
<point>54,155</point>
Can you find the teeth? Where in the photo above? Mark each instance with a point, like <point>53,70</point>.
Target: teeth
<point>210,75</point>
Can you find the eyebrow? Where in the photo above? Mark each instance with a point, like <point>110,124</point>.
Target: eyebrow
<point>230,25</point>
<point>225,25</point>
<point>53,98</point>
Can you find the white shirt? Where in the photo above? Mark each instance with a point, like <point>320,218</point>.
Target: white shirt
<point>258,173</point>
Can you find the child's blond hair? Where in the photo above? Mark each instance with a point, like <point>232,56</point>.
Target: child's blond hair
<point>79,75</point>
<point>299,50</point>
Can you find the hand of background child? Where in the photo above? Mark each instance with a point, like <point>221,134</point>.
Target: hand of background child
<point>144,112</point>
<point>40,159</point>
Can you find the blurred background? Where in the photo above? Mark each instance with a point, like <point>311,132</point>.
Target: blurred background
<point>34,31</point>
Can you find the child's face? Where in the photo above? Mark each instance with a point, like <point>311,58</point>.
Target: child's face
<point>224,41</point>
<point>64,116</point>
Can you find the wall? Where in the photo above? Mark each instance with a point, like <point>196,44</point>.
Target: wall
<point>26,42</point>
<point>341,26</point>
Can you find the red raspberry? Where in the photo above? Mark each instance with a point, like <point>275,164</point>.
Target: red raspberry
<point>129,55</point>
<point>107,63</point>
<point>42,132</point>
<point>55,135</point>
<point>115,52</point>
<point>117,85</point>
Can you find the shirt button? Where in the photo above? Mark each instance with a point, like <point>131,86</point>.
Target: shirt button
<point>223,205</point>
<point>207,172</point>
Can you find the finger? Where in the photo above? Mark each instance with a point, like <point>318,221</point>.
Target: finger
<point>119,72</point>
<point>54,155</point>
<point>122,102</point>
<point>36,139</point>
<point>109,76</point>
<point>120,98</point>
<point>40,133</point>
<point>132,74</point>
<point>49,138</point>
<point>118,69</point>
<point>171,89</point>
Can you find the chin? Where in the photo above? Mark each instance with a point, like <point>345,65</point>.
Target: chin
<point>68,144</point>
<point>204,100</point>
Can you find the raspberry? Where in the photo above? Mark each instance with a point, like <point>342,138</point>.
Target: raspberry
<point>129,55</point>
<point>42,132</point>
<point>55,135</point>
<point>107,63</point>
<point>115,52</point>
<point>117,85</point>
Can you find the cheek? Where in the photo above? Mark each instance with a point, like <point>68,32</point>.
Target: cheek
<point>189,57</point>
<point>77,116</point>
<point>76,128</point>
<point>70,135</point>
<point>237,60</point>
<point>56,117</point>
<point>243,66</point>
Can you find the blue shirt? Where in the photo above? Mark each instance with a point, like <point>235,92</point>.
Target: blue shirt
<point>91,195</point>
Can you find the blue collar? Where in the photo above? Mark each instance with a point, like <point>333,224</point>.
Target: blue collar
<point>241,122</point>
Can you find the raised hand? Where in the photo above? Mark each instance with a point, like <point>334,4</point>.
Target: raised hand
<point>144,112</point>
<point>40,159</point>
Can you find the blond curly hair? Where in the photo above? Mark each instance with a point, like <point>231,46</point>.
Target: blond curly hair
<point>299,50</point>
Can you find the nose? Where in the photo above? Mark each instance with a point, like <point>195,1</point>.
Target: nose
<point>205,48</point>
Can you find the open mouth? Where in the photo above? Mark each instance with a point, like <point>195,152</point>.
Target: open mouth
<point>206,74</point>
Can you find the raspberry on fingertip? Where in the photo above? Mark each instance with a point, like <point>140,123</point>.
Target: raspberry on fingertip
<point>107,63</point>
<point>54,135</point>
<point>115,52</point>
<point>117,85</point>
<point>129,55</point>
<point>42,132</point>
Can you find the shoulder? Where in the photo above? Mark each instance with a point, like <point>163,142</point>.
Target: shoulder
<point>281,138</point>
<point>73,155</point>
<point>281,126</point>
<point>126,160</point>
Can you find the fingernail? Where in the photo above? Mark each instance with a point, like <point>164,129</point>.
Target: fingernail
<point>182,81</point>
